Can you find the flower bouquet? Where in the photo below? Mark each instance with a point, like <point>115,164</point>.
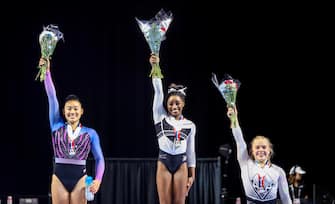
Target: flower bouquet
<point>228,88</point>
<point>154,31</point>
<point>48,40</point>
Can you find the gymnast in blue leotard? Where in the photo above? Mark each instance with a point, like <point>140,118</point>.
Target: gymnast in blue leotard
<point>176,139</point>
<point>72,142</point>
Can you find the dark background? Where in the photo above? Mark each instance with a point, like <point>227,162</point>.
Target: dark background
<point>280,53</point>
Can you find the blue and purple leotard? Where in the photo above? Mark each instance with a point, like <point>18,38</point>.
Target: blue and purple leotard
<point>71,153</point>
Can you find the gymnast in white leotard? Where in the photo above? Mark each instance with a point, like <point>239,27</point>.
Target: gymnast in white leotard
<point>261,179</point>
<point>175,134</point>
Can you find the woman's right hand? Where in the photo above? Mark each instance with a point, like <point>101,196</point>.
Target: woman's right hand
<point>232,115</point>
<point>154,59</point>
<point>44,62</point>
<point>231,112</point>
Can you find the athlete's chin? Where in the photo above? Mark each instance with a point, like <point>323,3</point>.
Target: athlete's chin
<point>261,159</point>
<point>175,113</point>
<point>72,120</point>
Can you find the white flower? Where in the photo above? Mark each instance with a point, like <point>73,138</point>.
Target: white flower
<point>46,33</point>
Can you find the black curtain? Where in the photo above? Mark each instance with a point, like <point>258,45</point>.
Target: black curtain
<point>207,187</point>
<point>133,181</point>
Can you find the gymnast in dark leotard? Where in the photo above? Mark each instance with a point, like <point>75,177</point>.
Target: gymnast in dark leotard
<point>72,142</point>
<point>176,161</point>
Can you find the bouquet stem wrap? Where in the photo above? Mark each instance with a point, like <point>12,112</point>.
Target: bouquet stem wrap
<point>156,71</point>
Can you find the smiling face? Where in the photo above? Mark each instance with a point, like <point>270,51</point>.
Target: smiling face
<point>175,105</point>
<point>261,149</point>
<point>73,111</point>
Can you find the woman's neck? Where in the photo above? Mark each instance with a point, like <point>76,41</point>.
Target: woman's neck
<point>178,117</point>
<point>261,163</point>
<point>74,125</point>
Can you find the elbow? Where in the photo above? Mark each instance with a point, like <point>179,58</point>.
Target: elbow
<point>100,160</point>
<point>158,91</point>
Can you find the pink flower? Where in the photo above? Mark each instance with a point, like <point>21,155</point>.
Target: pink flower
<point>229,81</point>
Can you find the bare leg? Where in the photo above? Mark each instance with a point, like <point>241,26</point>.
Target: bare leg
<point>78,193</point>
<point>164,184</point>
<point>58,192</point>
<point>180,184</point>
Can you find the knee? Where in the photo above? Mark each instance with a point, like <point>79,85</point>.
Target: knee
<point>179,200</point>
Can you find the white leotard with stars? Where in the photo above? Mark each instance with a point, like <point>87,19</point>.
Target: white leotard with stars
<point>260,183</point>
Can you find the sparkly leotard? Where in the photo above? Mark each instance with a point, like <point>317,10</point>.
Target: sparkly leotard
<point>71,149</point>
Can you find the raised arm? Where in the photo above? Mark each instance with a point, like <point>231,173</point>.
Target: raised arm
<point>157,107</point>
<point>242,151</point>
<point>54,114</point>
<point>99,160</point>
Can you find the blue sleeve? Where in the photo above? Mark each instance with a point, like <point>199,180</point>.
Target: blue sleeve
<point>97,154</point>
<point>55,119</point>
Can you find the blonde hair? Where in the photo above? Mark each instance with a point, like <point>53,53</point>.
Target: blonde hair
<point>260,137</point>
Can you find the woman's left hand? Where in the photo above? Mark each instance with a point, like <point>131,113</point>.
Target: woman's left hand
<point>189,184</point>
<point>95,186</point>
